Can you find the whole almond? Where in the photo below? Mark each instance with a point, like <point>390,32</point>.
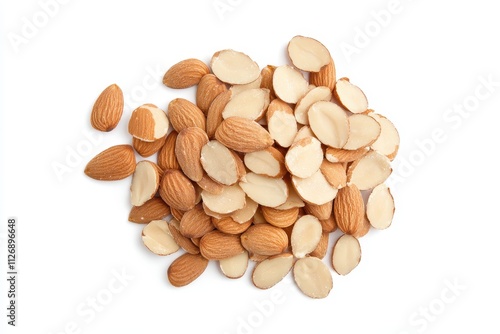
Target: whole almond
<point>214,114</point>
<point>166,156</point>
<point>177,190</point>
<point>195,223</point>
<point>183,114</point>
<point>188,151</point>
<point>208,89</point>
<point>217,245</point>
<point>265,239</point>
<point>185,73</point>
<point>349,209</point>
<point>243,135</point>
<point>185,269</point>
<point>114,163</point>
<point>154,209</point>
<point>108,109</point>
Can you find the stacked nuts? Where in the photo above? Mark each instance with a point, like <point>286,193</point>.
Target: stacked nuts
<point>262,167</point>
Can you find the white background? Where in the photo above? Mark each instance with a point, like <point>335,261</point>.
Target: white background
<point>73,232</point>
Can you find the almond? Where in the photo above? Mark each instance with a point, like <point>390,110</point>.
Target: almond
<point>269,162</point>
<point>329,123</point>
<point>306,234</point>
<point>329,225</point>
<point>363,131</point>
<point>114,163</point>
<point>346,254</point>
<point>323,211</point>
<point>304,157</point>
<point>246,213</point>
<point>322,248</point>
<point>234,67</point>
<point>341,155</point>
<point>234,266</point>
<point>289,84</point>
<point>304,132</point>
<point>207,90</point>
<point>350,96</point>
<point>148,123</point>
<point>185,269</point>
<point>369,171</point>
<point>236,89</point>
<point>182,241</point>
<point>270,271</point>
<point>214,114</point>
<point>108,109</point>
<point>280,218</point>
<point>364,229</point>
<point>316,94</point>
<point>220,163</point>
<point>308,54</point>
<point>231,198</point>
<point>177,190</point>
<point>177,214</point>
<point>334,173</point>
<point>325,77</point>
<point>195,223</point>
<point>184,114</point>
<point>145,148</point>
<point>314,189</point>
<point>209,185</point>
<point>264,239</point>
<point>157,238</point>
<point>188,146</point>
<point>251,104</point>
<point>154,209</point>
<point>185,73</point>
<point>229,226</point>
<point>265,190</point>
<point>312,277</point>
<point>281,122</point>
<point>145,182</point>
<point>267,79</point>
<point>349,209</point>
<point>243,135</point>
<point>217,245</point>
<point>388,141</point>
<point>380,207</point>
<point>166,156</point>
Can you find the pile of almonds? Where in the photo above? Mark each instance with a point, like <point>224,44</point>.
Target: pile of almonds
<point>262,167</point>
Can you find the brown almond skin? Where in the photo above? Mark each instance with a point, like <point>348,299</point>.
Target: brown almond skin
<point>114,163</point>
<point>322,247</point>
<point>207,184</point>
<point>214,114</point>
<point>166,156</point>
<point>208,89</point>
<point>184,114</point>
<point>188,151</point>
<point>349,209</point>
<point>146,148</point>
<point>267,80</point>
<point>329,225</point>
<point>280,218</point>
<point>154,209</point>
<point>325,76</point>
<point>185,269</point>
<point>321,212</point>
<point>229,226</point>
<point>265,239</point>
<point>243,135</point>
<point>184,242</point>
<point>177,214</point>
<point>217,245</point>
<point>108,109</point>
<point>185,73</point>
<point>195,223</point>
<point>177,190</point>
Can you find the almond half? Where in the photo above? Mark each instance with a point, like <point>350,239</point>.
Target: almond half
<point>316,94</point>
<point>380,207</point>
<point>234,67</point>
<point>369,171</point>
<point>157,238</point>
<point>231,198</point>
<point>289,84</point>
<point>148,123</point>
<point>306,234</point>
<point>269,162</point>
<point>312,277</point>
<point>308,54</point>
<point>329,123</point>
<point>346,254</point>
<point>234,266</point>
<point>350,96</point>
<point>251,104</point>
<point>281,122</point>
<point>145,182</point>
<point>363,131</point>
<point>304,157</point>
<point>265,190</point>
<point>314,189</point>
<point>271,271</point>
<point>220,163</point>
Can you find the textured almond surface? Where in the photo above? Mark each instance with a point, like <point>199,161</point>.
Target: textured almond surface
<point>234,266</point>
<point>177,190</point>
<point>346,254</point>
<point>217,245</point>
<point>108,109</point>
<point>265,190</point>
<point>264,239</point>
<point>146,149</point>
<point>148,123</point>
<point>341,155</point>
<point>185,73</point>
<point>188,146</point>
<point>325,77</point>
<point>308,54</point>
<point>312,277</point>
<point>154,209</point>
<point>214,113</point>
<point>369,171</point>
<point>185,269</point>
<point>207,90</point>
<point>166,158</point>
<point>306,235</point>
<point>184,114</point>
<point>230,226</point>
<point>304,157</point>
<point>334,173</point>
<point>271,271</point>
<point>231,198</point>
<point>289,84</point>
<point>349,209</point>
<point>243,135</point>
<point>184,242</point>
<point>157,238</point>
<point>114,163</point>
<point>280,218</point>
<point>195,223</point>
<point>329,123</point>
<point>145,182</point>
<point>350,96</point>
<point>380,207</point>
<point>234,67</point>
<point>316,94</point>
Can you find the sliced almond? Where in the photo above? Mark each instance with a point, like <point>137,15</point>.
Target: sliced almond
<point>308,54</point>
<point>369,171</point>
<point>314,189</point>
<point>293,200</point>
<point>219,163</point>
<point>334,173</point>
<point>329,123</point>
<point>251,104</point>
<point>207,90</point>
<point>195,223</point>
<point>264,239</point>
<point>185,73</point>
<point>258,218</point>
<point>108,109</point>
<point>289,84</point>
<point>325,77</point>
<point>281,122</point>
<point>346,254</point>
<point>304,132</point>
<point>236,89</point>
<point>157,238</point>
<point>316,94</point>
<point>148,123</point>
<point>304,157</point>
<point>184,114</point>
<point>363,131</point>
<point>232,198</point>
<point>177,190</point>
<point>265,190</point>
<point>380,207</point>
<point>114,163</point>
<point>230,226</point>
<point>388,141</point>
<point>185,269</point>
<point>214,114</point>
<point>217,245</point>
<point>272,270</point>
<point>154,209</point>
<point>188,147</point>
<point>146,149</point>
<point>322,248</point>
<point>312,277</point>
<point>349,209</point>
<point>145,182</point>
<point>341,155</point>
<point>234,266</point>
<point>166,156</point>
<point>323,211</point>
<point>184,242</point>
<point>246,213</point>
<point>243,135</point>
<point>280,218</point>
<point>234,67</point>
<point>350,96</point>
<point>213,187</point>
<point>267,79</point>
<point>306,234</point>
<point>269,162</point>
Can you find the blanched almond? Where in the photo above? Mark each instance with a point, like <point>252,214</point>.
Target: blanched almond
<point>157,238</point>
<point>314,189</point>
<point>246,213</point>
<point>219,163</point>
<point>346,254</point>
<point>312,277</point>
<point>265,190</point>
<point>388,141</point>
<point>269,162</point>
<point>350,96</point>
<point>234,266</point>
<point>145,182</point>
<point>306,234</point>
<point>272,270</point>
<point>232,198</point>
<point>289,84</point>
<point>369,171</point>
<point>314,95</point>
<point>148,123</point>
<point>308,54</point>
<point>363,131</point>
<point>234,67</point>
<point>281,122</point>
<point>251,104</point>
<point>380,207</point>
<point>329,123</point>
<point>304,157</point>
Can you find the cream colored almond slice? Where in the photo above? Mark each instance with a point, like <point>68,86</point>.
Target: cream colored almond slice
<point>234,67</point>
<point>314,189</point>
<point>246,213</point>
<point>236,89</point>
<point>293,200</point>
<point>363,131</point>
<point>271,271</point>
<point>269,162</point>
<point>265,190</point>
<point>306,234</point>
<point>148,123</point>
<point>213,187</point>
<point>329,123</point>
<point>350,96</point>
<point>369,171</point>
<point>346,254</point>
<point>145,182</point>
<point>388,141</point>
<point>308,54</point>
<point>258,218</point>
<point>304,157</point>
<point>281,122</point>
<point>219,163</point>
<point>232,198</point>
<point>314,95</point>
<point>157,238</point>
<point>251,104</point>
<point>234,266</point>
<point>341,155</point>
<point>380,207</point>
<point>312,277</point>
<point>334,173</point>
<point>289,84</point>
<point>304,132</point>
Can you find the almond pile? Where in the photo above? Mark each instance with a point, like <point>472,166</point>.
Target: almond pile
<point>263,165</point>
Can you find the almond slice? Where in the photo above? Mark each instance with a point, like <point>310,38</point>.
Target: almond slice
<point>157,238</point>
<point>184,114</point>
<point>363,131</point>
<point>246,213</point>
<point>195,223</point>
<point>314,95</point>
<point>185,269</point>
<point>289,84</point>
<point>325,77</point>
<point>304,157</point>
<point>341,155</point>
<point>243,135</point>
<point>232,198</point>
<point>207,90</point>
<point>314,189</point>
<point>185,73</point>
<point>308,54</point>
<point>380,207</point>
<point>264,239</point>
<point>177,190</point>
<point>388,141</point>
<point>293,200</point>
<point>265,190</point>
<point>334,173</point>
<point>369,171</point>
<point>234,67</point>
<point>188,147</point>
<point>329,123</point>
<point>236,89</point>
<point>271,271</point>
<point>148,123</point>
<point>229,226</point>
<point>269,162</point>
<point>251,104</point>
<point>145,182</point>
<point>346,254</point>
<point>350,96</point>
<point>312,277</point>
<point>349,209</point>
<point>217,245</point>
<point>281,122</point>
<point>219,163</point>
<point>304,132</point>
<point>235,266</point>
<point>306,235</point>
<point>267,79</point>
